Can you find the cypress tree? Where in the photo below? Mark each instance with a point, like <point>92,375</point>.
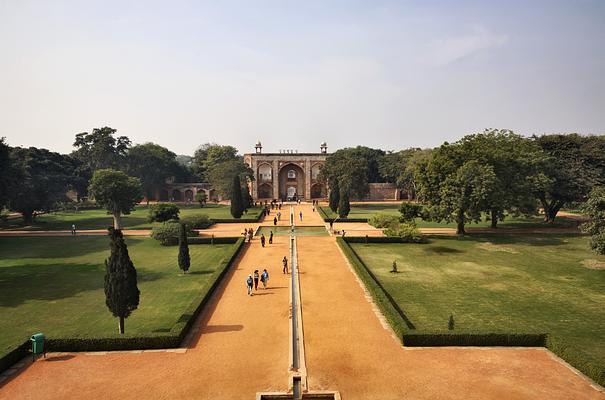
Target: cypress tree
<point>246,197</point>
<point>334,197</point>
<point>121,291</point>
<point>237,207</point>
<point>344,207</point>
<point>184,258</point>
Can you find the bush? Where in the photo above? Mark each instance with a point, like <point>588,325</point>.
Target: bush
<point>162,212</point>
<point>201,198</point>
<point>201,221</point>
<point>409,212</point>
<point>383,220</point>
<point>168,233</point>
<point>407,232</point>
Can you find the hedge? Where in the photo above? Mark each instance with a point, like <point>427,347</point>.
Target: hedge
<point>375,239</point>
<point>152,341</point>
<point>252,219</point>
<point>209,240</point>
<point>328,219</point>
<point>405,329</point>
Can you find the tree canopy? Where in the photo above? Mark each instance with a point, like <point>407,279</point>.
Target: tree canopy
<point>100,149</point>
<point>117,192</point>
<point>152,164</point>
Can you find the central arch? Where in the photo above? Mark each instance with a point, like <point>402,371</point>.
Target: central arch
<point>291,182</point>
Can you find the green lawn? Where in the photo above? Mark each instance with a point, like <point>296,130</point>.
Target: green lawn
<point>99,219</point>
<point>367,210</point>
<point>54,285</point>
<point>551,284</point>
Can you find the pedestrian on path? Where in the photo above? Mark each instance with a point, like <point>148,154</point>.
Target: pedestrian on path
<point>256,276</point>
<point>262,239</point>
<point>285,262</point>
<point>274,220</point>
<point>249,284</point>
<point>300,216</point>
<point>271,238</point>
<point>250,235</point>
<point>73,229</point>
<point>264,278</point>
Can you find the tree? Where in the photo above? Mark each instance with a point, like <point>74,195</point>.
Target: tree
<point>574,166</point>
<point>209,155</point>
<point>400,168</point>
<point>117,192</point>
<point>100,149</point>
<point>6,174</point>
<point>409,212</point>
<point>162,212</point>
<point>237,207</point>
<point>346,167</point>
<point>594,208</point>
<point>220,176</point>
<point>152,164</point>
<point>247,200</point>
<point>121,291</point>
<point>201,198</point>
<point>334,197</point>
<point>344,207</point>
<point>40,180</point>
<point>184,258</point>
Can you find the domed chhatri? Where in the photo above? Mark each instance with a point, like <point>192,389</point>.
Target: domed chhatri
<point>323,147</point>
<point>258,146</point>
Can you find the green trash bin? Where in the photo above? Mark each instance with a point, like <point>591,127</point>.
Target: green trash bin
<point>38,344</point>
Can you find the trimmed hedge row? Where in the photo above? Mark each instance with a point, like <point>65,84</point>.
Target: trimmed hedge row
<point>209,240</point>
<point>152,341</point>
<point>593,368</point>
<point>375,239</point>
<point>254,218</point>
<point>328,219</point>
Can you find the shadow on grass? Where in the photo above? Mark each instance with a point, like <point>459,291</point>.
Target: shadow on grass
<point>443,250</point>
<point>222,328</point>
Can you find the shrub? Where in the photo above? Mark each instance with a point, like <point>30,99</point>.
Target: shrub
<point>168,233</point>
<point>162,212</point>
<point>201,198</point>
<point>409,212</point>
<point>201,221</point>
<point>383,220</point>
<point>407,232</point>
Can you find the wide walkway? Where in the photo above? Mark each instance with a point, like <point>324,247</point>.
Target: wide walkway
<point>349,350</point>
<point>242,349</point>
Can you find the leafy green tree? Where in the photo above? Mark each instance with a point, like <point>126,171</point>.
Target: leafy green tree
<point>117,192</point>
<point>409,212</point>
<point>348,169</point>
<point>334,197</point>
<point>344,206</point>
<point>594,209</point>
<point>40,180</point>
<point>400,168</point>
<point>152,164</point>
<point>162,212</point>
<point>247,200</point>
<point>209,155</point>
<point>99,149</point>
<point>7,178</point>
<point>184,258</point>
<point>574,166</point>
<point>201,198</point>
<point>221,176</point>
<point>237,207</point>
<point>121,291</point>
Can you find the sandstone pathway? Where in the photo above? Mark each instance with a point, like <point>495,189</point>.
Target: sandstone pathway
<point>242,349</point>
<point>349,350</point>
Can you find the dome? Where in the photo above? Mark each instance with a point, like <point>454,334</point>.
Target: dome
<point>323,144</point>
<point>258,144</point>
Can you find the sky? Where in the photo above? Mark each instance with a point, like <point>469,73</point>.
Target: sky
<point>384,74</point>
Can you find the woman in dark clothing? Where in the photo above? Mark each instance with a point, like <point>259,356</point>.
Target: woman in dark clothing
<point>256,276</point>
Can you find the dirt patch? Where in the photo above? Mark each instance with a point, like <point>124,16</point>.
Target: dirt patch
<point>489,246</point>
<point>593,264</point>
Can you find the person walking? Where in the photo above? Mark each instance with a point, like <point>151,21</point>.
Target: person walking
<point>278,215</point>
<point>249,235</point>
<point>73,229</point>
<point>264,278</point>
<point>249,282</point>
<point>256,276</point>
<point>285,263</point>
<point>262,240</point>
<point>300,216</point>
<point>274,220</point>
<point>271,238</point>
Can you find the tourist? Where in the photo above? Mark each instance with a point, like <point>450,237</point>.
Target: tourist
<point>262,239</point>
<point>256,276</point>
<point>300,216</point>
<point>249,285</point>
<point>73,229</point>
<point>278,215</point>
<point>271,238</point>
<point>264,278</point>
<point>250,233</point>
<point>343,233</point>
<point>274,220</point>
<point>285,262</point>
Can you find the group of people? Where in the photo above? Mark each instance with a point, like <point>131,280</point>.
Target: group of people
<point>277,218</point>
<point>248,233</point>
<point>252,280</point>
<point>263,239</point>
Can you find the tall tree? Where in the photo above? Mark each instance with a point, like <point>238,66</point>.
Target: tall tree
<point>348,169</point>
<point>184,258</point>
<point>400,168</point>
<point>100,149</point>
<point>594,209</point>
<point>575,165</point>
<point>237,207</point>
<point>220,176</point>
<point>247,200</point>
<point>334,197</point>
<point>152,164</point>
<point>209,155</point>
<point>121,291</point>
<point>117,192</point>
<point>6,174</point>
<point>41,180</point>
<point>344,206</point>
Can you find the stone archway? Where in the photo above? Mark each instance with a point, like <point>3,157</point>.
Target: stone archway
<point>265,191</point>
<point>318,191</point>
<point>164,196</point>
<point>189,195</point>
<point>291,182</point>
<point>177,195</point>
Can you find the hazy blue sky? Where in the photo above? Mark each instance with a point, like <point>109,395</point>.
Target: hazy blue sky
<point>389,74</point>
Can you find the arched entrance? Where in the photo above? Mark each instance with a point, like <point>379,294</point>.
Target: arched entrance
<point>318,191</point>
<point>291,182</point>
<point>176,195</point>
<point>189,195</point>
<point>265,191</point>
<point>164,195</point>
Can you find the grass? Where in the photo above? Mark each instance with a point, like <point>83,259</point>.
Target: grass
<point>99,219</point>
<point>549,284</point>
<point>54,285</point>
<point>367,210</point>
<point>298,231</point>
